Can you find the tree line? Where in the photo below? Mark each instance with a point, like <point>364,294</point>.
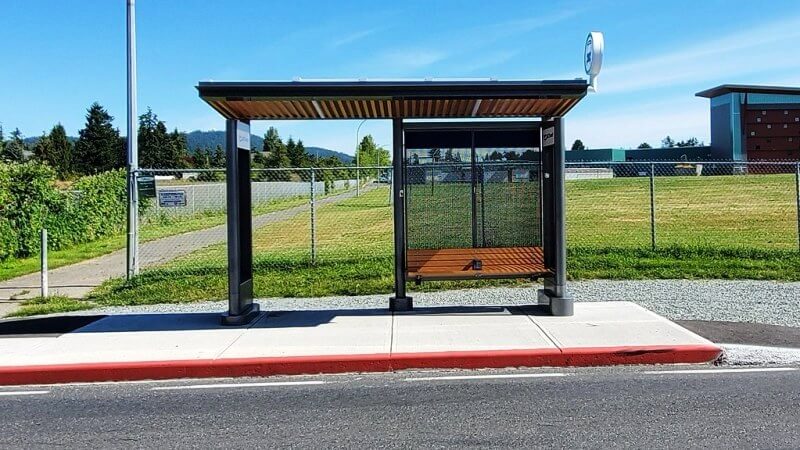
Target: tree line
<point>667,142</point>
<point>99,147</point>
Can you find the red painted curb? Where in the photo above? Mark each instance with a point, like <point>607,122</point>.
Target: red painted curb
<point>380,362</point>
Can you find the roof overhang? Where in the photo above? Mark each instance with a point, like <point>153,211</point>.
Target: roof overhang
<point>748,89</point>
<point>392,99</point>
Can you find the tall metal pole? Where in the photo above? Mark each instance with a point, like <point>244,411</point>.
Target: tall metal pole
<point>133,149</point>
<point>358,163</point>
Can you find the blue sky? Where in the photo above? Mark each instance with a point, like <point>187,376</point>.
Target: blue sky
<point>59,56</point>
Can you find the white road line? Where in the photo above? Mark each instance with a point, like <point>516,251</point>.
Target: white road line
<point>488,377</point>
<point>236,385</point>
<point>715,371</point>
<point>10,393</point>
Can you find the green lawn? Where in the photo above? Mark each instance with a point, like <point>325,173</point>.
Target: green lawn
<point>709,227</point>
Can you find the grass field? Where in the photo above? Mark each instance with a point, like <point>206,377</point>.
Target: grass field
<point>710,227</point>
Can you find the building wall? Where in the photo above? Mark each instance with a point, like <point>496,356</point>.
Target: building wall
<point>755,126</point>
<point>772,132</point>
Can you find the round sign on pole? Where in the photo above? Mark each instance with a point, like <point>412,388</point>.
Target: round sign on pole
<point>593,57</point>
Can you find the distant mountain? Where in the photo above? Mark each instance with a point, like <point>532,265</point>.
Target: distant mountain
<point>324,153</point>
<point>210,139</point>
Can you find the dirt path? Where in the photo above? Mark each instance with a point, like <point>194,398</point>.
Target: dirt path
<point>76,280</point>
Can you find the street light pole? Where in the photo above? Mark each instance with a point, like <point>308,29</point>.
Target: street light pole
<point>133,156</point>
<point>358,164</point>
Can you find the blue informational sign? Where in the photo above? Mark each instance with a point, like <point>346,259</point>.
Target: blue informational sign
<point>171,199</point>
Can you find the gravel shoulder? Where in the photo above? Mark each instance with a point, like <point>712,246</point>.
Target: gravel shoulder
<point>764,302</point>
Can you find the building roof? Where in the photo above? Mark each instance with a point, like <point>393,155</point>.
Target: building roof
<point>747,88</point>
<point>359,99</point>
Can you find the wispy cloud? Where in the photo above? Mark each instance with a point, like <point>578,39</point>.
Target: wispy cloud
<point>352,37</point>
<point>467,41</point>
<point>759,49</point>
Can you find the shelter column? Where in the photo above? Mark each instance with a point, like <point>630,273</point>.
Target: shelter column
<point>554,235</point>
<point>241,309</point>
<point>400,301</point>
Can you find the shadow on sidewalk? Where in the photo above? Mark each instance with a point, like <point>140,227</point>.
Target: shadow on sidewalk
<point>211,321</point>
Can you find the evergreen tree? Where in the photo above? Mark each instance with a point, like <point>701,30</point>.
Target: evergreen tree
<point>272,141</point>
<point>43,150</point>
<point>644,145</point>
<point>178,152</point>
<point>297,153</point>
<point>2,140</point>
<point>578,145</point>
<point>14,149</point>
<point>99,147</point>
<point>218,157</point>
<point>306,158</point>
<point>59,152</point>
<point>667,142</point>
<point>277,154</point>
<point>153,141</point>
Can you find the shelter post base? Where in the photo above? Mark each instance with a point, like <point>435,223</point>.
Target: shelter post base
<point>401,304</point>
<point>559,305</point>
<point>241,319</point>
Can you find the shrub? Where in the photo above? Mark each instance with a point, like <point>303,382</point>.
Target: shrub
<point>30,201</point>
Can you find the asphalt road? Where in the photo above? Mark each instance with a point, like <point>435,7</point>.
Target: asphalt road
<point>627,407</point>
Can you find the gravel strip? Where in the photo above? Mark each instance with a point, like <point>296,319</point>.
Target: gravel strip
<point>736,301</point>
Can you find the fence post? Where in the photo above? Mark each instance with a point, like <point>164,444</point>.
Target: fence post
<point>652,207</point>
<point>797,200</point>
<point>313,218</point>
<point>43,255</point>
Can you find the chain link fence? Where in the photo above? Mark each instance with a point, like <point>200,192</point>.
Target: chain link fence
<point>326,231</point>
<point>662,205</point>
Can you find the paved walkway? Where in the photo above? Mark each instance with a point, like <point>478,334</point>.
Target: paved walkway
<point>77,280</point>
<point>148,346</point>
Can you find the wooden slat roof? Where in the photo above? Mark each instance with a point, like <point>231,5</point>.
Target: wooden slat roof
<point>391,99</point>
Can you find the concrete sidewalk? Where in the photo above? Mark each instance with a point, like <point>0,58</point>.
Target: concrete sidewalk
<point>158,346</point>
<point>77,280</point>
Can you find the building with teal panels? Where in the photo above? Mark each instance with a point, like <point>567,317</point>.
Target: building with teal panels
<point>754,123</point>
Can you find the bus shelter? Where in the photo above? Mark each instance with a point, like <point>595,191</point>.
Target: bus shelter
<point>475,197</point>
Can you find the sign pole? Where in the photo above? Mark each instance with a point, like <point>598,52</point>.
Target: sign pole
<point>133,149</point>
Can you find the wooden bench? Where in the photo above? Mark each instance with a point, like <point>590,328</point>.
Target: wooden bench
<point>460,263</point>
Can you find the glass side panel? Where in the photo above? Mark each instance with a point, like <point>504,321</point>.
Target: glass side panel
<point>508,185</point>
<point>439,198</point>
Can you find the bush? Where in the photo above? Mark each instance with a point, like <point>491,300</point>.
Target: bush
<point>30,201</point>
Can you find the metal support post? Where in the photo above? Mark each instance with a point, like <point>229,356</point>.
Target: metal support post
<point>43,257</point>
<point>241,309</point>
<point>313,218</point>
<point>652,207</point>
<point>399,302</point>
<point>132,266</point>
<point>555,291</point>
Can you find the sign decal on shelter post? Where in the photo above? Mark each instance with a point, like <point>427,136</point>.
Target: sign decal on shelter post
<point>549,136</point>
<point>243,135</point>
